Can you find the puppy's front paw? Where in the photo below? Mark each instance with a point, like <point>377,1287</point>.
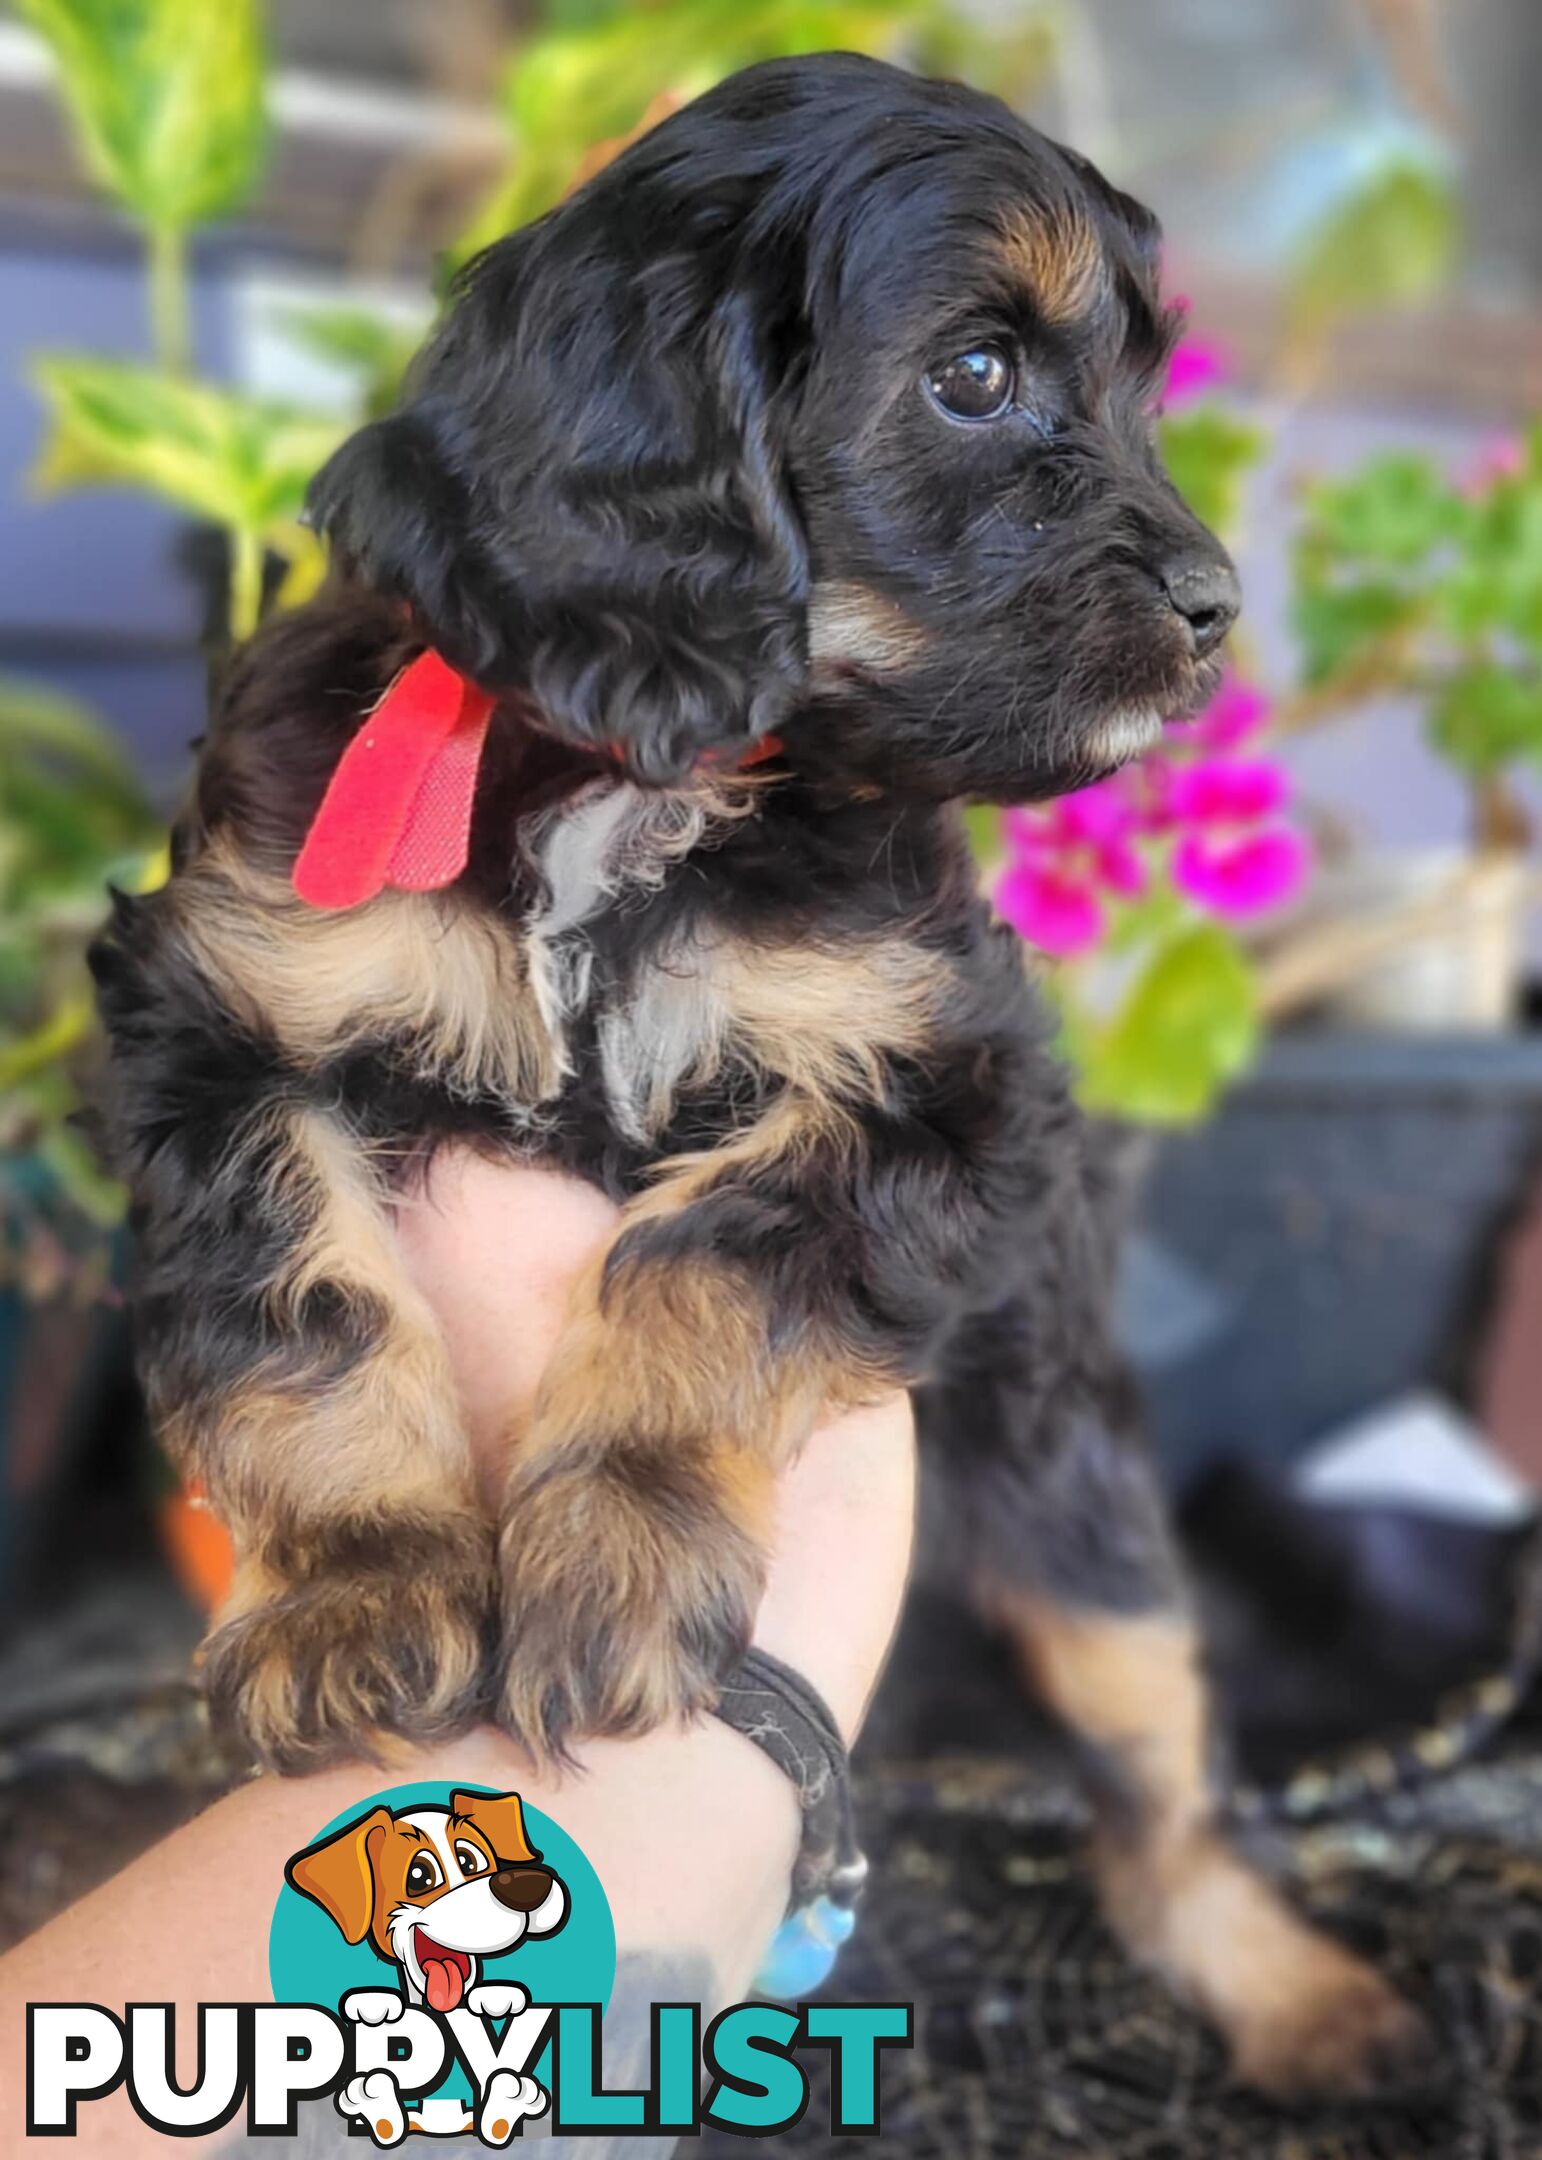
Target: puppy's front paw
<point>629,1587</point>
<point>373,2099</point>
<point>1350,2037</point>
<point>387,1633</point>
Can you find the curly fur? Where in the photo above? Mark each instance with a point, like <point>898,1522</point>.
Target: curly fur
<point>666,482</point>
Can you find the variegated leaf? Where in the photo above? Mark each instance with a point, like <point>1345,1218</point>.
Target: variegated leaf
<point>166,97</point>
<point>238,461</point>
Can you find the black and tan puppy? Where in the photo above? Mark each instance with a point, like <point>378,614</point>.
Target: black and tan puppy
<point>823,414</point>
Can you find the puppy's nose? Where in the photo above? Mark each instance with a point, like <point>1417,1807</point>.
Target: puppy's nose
<point>1205,593</point>
<point>522,1889</point>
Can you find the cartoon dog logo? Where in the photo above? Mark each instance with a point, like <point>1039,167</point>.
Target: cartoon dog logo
<point>436,1890</point>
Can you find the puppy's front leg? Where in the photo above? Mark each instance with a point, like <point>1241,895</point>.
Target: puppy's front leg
<point>635,1522</point>
<point>294,1370</point>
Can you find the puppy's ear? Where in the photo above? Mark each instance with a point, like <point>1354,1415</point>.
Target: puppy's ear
<point>398,516</point>
<point>501,1820</point>
<point>676,621</point>
<point>584,499</point>
<point>338,1874</point>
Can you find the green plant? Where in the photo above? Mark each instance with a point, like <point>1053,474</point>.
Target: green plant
<point>239,462</point>
<point>1409,581</point>
<point>168,103</point>
<point>166,97</point>
<point>72,816</point>
<point>594,74</point>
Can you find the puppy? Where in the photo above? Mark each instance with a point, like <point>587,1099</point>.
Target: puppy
<point>789,484</point>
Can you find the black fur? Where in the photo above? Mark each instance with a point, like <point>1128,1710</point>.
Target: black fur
<point>654,427</point>
<point>656,418</point>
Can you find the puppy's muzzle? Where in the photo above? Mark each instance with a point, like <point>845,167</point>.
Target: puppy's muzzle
<point>522,1889</point>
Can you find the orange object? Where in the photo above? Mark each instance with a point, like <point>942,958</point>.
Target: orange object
<point>198,1547</point>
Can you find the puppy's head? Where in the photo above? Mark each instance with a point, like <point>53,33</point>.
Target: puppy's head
<point>824,409</point>
<point>435,1889</point>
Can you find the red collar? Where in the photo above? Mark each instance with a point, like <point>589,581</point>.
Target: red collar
<point>397,810</point>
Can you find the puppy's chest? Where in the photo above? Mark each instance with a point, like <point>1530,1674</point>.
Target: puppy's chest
<point>654,998</point>
<point>614,982</point>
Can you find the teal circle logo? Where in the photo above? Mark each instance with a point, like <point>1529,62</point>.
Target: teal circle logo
<point>433,1891</point>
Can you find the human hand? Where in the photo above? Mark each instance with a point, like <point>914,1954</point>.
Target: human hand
<point>495,1248</point>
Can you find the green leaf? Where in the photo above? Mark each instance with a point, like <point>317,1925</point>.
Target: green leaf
<point>36,722</point>
<point>239,461</point>
<point>1390,244</point>
<point>1395,510</point>
<point>1186,1028</point>
<point>376,349</point>
<point>1496,584</point>
<point>1209,451</point>
<point>581,85</point>
<point>983,823</point>
<point>1487,717</point>
<point>69,805</point>
<point>166,97</point>
<point>1342,626</point>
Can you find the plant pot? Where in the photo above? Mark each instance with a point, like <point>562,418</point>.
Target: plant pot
<point>1457,967</point>
<point>1324,1242</point>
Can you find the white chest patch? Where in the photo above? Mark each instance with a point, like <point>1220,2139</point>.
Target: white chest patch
<point>613,839</point>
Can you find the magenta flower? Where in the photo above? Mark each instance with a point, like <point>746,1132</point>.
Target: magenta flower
<point>1235,854</point>
<point>1227,791</point>
<point>1213,823</point>
<point>1060,914</point>
<point>1237,711</point>
<point>1241,871</point>
<point>1197,365</point>
<point>1146,789</point>
<point>1067,858</point>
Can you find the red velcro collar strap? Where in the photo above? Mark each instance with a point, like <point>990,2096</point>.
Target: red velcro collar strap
<point>397,810</point>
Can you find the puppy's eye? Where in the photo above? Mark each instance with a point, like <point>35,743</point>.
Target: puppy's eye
<point>973,385</point>
<point>472,1859</point>
<point>423,1875</point>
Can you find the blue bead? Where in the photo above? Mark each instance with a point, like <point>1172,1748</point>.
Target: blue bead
<point>802,1953</point>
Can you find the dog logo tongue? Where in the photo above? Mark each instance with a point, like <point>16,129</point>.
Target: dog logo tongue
<point>445,1973</point>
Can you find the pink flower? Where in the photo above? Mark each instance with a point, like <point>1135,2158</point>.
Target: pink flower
<point>1068,855</point>
<point>1237,711</point>
<point>1195,812</point>
<point>1501,458</point>
<point>1231,791</point>
<point>1235,854</point>
<point>1057,913</point>
<point>1147,790</point>
<point>1242,871</point>
<point>1197,365</point>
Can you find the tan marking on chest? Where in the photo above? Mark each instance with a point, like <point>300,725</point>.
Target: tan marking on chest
<point>432,970</point>
<point>825,1020</point>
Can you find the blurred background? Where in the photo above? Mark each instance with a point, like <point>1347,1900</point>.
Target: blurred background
<point>1295,951</point>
